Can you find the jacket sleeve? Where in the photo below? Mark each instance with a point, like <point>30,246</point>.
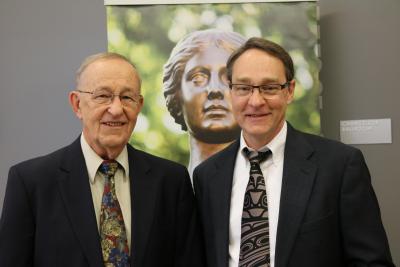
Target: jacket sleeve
<point>16,224</point>
<point>364,238</point>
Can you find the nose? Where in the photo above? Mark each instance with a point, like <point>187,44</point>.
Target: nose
<point>216,88</point>
<point>116,107</point>
<point>215,94</point>
<point>256,99</point>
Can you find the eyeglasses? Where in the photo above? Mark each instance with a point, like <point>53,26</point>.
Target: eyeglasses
<point>104,97</point>
<point>268,91</point>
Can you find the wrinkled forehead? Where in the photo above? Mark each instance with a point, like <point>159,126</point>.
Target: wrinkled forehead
<point>109,71</point>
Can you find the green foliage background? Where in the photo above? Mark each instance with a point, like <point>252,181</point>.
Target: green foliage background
<point>147,34</point>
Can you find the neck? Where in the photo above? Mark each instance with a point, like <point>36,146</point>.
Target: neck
<point>255,143</point>
<point>110,154</point>
<point>258,141</point>
<point>200,151</point>
<point>107,153</point>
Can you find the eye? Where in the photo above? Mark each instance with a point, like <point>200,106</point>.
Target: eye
<point>270,88</point>
<point>102,95</point>
<point>242,87</point>
<point>127,98</point>
<point>199,79</point>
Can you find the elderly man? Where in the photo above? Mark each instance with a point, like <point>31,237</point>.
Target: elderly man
<point>197,92</point>
<point>99,201</point>
<point>279,197</point>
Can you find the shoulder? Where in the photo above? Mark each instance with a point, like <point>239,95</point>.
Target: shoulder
<point>39,171</point>
<point>159,161</point>
<point>321,150</point>
<point>161,166</point>
<point>169,176</point>
<point>41,163</point>
<point>328,145</point>
<point>319,143</point>
<point>221,157</point>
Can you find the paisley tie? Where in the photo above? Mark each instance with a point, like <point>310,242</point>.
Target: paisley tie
<point>112,228</point>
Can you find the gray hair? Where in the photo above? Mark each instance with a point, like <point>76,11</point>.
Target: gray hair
<point>103,56</point>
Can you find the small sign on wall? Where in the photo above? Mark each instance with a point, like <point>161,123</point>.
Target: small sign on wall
<point>376,131</point>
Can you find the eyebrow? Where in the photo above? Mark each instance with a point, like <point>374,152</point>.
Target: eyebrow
<point>123,90</point>
<point>263,81</point>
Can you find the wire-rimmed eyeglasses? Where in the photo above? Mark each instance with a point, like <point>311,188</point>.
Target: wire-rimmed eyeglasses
<point>105,97</point>
<point>266,90</point>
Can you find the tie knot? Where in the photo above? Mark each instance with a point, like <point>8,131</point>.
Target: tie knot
<point>108,167</point>
<point>256,156</point>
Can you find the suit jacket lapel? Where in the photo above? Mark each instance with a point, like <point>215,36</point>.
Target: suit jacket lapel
<point>144,193</point>
<point>75,191</point>
<point>298,178</point>
<point>76,194</point>
<point>220,188</point>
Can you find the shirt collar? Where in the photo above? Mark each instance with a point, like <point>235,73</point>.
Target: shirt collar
<point>93,160</point>
<point>277,145</point>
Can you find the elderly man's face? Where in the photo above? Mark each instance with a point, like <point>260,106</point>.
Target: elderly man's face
<point>107,127</point>
<point>206,102</point>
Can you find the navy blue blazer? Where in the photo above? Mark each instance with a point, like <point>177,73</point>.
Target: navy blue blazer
<point>48,217</point>
<point>329,215</point>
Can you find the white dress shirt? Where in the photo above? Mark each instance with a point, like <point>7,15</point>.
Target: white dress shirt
<point>272,170</point>
<point>122,184</point>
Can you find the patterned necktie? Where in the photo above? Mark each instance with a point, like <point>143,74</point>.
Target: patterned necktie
<point>112,228</point>
<point>254,243</point>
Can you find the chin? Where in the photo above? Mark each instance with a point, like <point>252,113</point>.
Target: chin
<point>218,124</point>
<point>114,142</point>
<point>220,128</point>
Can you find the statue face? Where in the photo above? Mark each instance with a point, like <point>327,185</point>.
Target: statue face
<point>206,100</point>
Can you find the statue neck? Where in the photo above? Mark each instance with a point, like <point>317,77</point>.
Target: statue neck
<point>200,151</point>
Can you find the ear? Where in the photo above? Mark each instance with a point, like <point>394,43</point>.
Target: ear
<point>290,89</point>
<point>140,104</point>
<point>75,101</point>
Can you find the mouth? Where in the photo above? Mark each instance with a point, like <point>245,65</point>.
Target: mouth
<point>216,112</point>
<point>113,123</point>
<point>215,108</point>
<point>255,116</point>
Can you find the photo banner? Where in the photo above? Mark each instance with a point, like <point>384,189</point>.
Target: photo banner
<point>165,40</point>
